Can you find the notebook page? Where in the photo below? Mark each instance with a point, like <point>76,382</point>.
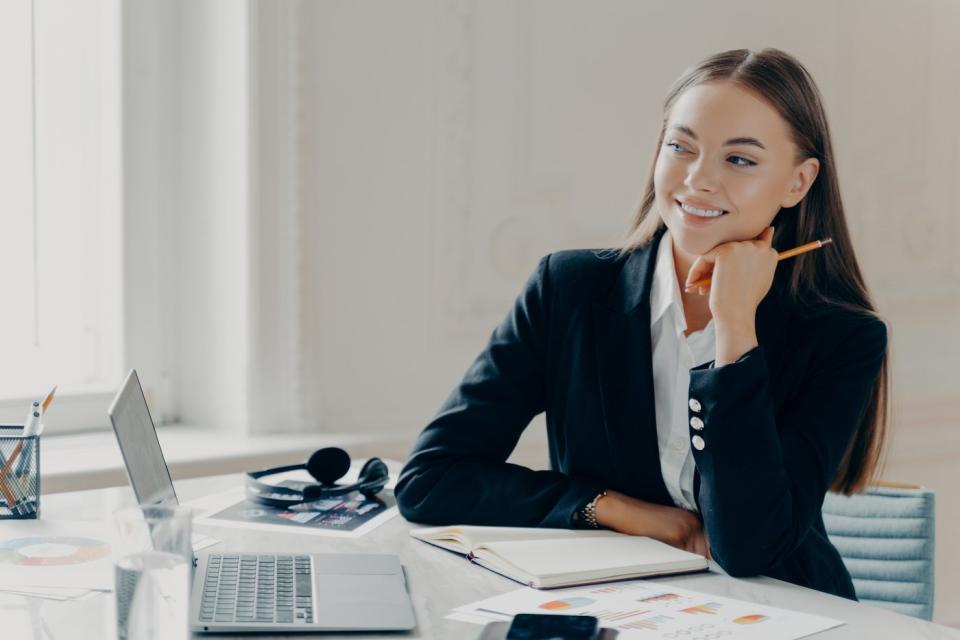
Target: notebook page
<point>469,537</point>
<point>482,535</point>
<point>553,557</point>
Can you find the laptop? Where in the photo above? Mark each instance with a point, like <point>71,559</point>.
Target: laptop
<point>264,591</point>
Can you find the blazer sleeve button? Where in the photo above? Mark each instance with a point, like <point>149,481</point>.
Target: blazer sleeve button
<point>698,443</point>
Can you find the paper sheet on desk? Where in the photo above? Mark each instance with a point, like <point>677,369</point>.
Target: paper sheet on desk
<point>55,553</point>
<point>54,593</point>
<point>39,544</point>
<point>645,609</point>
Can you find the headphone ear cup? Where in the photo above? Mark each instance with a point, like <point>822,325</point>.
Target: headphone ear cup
<point>374,476</point>
<point>328,465</point>
<point>313,492</point>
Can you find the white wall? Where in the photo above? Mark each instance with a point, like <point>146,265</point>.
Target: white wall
<point>187,207</point>
<point>212,259</point>
<point>149,78</point>
<point>445,146</point>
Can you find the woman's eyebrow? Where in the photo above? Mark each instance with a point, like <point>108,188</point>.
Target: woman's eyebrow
<point>732,141</point>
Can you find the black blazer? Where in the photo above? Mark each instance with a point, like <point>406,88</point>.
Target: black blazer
<point>577,345</point>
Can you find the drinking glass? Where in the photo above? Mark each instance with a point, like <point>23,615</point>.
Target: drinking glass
<point>153,572</point>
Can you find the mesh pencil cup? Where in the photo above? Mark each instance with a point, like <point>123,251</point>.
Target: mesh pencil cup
<point>19,474</point>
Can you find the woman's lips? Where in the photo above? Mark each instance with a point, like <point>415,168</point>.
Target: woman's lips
<point>695,220</point>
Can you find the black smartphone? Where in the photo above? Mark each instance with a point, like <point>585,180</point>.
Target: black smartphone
<point>537,626</point>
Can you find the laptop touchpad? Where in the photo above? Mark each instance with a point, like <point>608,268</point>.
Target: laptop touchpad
<point>366,588</point>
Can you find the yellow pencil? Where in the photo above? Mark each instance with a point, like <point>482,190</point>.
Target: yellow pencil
<point>47,401</point>
<point>789,253</point>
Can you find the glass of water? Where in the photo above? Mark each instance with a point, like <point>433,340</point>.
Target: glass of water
<point>152,572</point>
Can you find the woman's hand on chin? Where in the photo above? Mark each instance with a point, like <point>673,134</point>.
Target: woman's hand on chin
<point>741,274</point>
<point>677,527</point>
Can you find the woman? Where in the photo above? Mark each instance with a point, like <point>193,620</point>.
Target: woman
<point>713,418</point>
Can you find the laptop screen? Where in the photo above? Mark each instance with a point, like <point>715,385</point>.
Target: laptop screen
<point>139,445</point>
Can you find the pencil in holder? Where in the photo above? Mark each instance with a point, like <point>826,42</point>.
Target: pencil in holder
<point>19,474</point>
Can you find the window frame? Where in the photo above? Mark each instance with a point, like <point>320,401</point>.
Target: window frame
<point>86,409</point>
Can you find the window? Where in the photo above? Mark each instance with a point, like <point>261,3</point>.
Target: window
<point>60,228</point>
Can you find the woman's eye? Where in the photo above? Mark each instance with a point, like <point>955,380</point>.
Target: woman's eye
<point>745,161</point>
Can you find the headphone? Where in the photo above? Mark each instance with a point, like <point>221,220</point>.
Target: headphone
<point>326,465</point>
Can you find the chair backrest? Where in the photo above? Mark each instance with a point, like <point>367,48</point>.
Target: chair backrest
<point>886,538</point>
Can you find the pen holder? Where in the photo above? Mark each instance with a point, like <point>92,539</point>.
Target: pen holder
<point>19,475</point>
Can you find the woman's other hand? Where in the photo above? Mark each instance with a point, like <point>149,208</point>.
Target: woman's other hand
<point>677,527</point>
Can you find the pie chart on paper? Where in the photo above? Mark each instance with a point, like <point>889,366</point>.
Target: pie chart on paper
<point>49,551</point>
<point>753,618</point>
<point>566,603</point>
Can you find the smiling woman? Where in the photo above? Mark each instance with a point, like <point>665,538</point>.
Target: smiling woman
<point>699,179</point>
<point>715,423</point>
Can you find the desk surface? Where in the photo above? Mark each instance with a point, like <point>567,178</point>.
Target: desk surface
<point>438,581</point>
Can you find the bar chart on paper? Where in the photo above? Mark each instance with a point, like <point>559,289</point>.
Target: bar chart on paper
<point>644,609</point>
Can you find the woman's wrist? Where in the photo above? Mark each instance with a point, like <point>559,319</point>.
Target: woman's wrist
<point>605,510</point>
<point>614,510</point>
<point>672,525</point>
<point>734,339</point>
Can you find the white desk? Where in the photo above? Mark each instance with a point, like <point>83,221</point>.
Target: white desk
<point>438,581</point>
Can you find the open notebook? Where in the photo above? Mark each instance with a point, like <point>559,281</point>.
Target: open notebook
<point>549,558</point>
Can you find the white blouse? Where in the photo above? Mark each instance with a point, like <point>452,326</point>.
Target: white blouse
<point>674,354</point>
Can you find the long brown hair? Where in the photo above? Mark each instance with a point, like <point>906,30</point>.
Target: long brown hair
<point>816,279</point>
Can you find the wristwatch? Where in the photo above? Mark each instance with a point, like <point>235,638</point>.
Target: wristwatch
<point>586,515</point>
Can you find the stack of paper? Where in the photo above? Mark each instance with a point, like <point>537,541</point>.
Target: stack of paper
<point>644,609</point>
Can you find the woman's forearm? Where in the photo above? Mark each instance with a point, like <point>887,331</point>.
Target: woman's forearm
<point>620,512</point>
<point>677,527</point>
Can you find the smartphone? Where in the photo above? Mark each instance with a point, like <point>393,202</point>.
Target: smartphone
<point>537,626</point>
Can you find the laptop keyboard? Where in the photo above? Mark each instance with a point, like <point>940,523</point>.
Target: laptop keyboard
<point>246,588</point>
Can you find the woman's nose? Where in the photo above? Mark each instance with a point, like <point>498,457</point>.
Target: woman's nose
<point>701,176</point>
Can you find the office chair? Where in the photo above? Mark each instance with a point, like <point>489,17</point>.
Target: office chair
<point>886,538</point>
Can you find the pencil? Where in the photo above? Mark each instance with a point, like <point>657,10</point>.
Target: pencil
<point>8,495</point>
<point>48,400</point>
<point>789,253</point>
<point>13,501</point>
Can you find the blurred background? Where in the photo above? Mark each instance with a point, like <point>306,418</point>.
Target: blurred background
<point>307,217</point>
